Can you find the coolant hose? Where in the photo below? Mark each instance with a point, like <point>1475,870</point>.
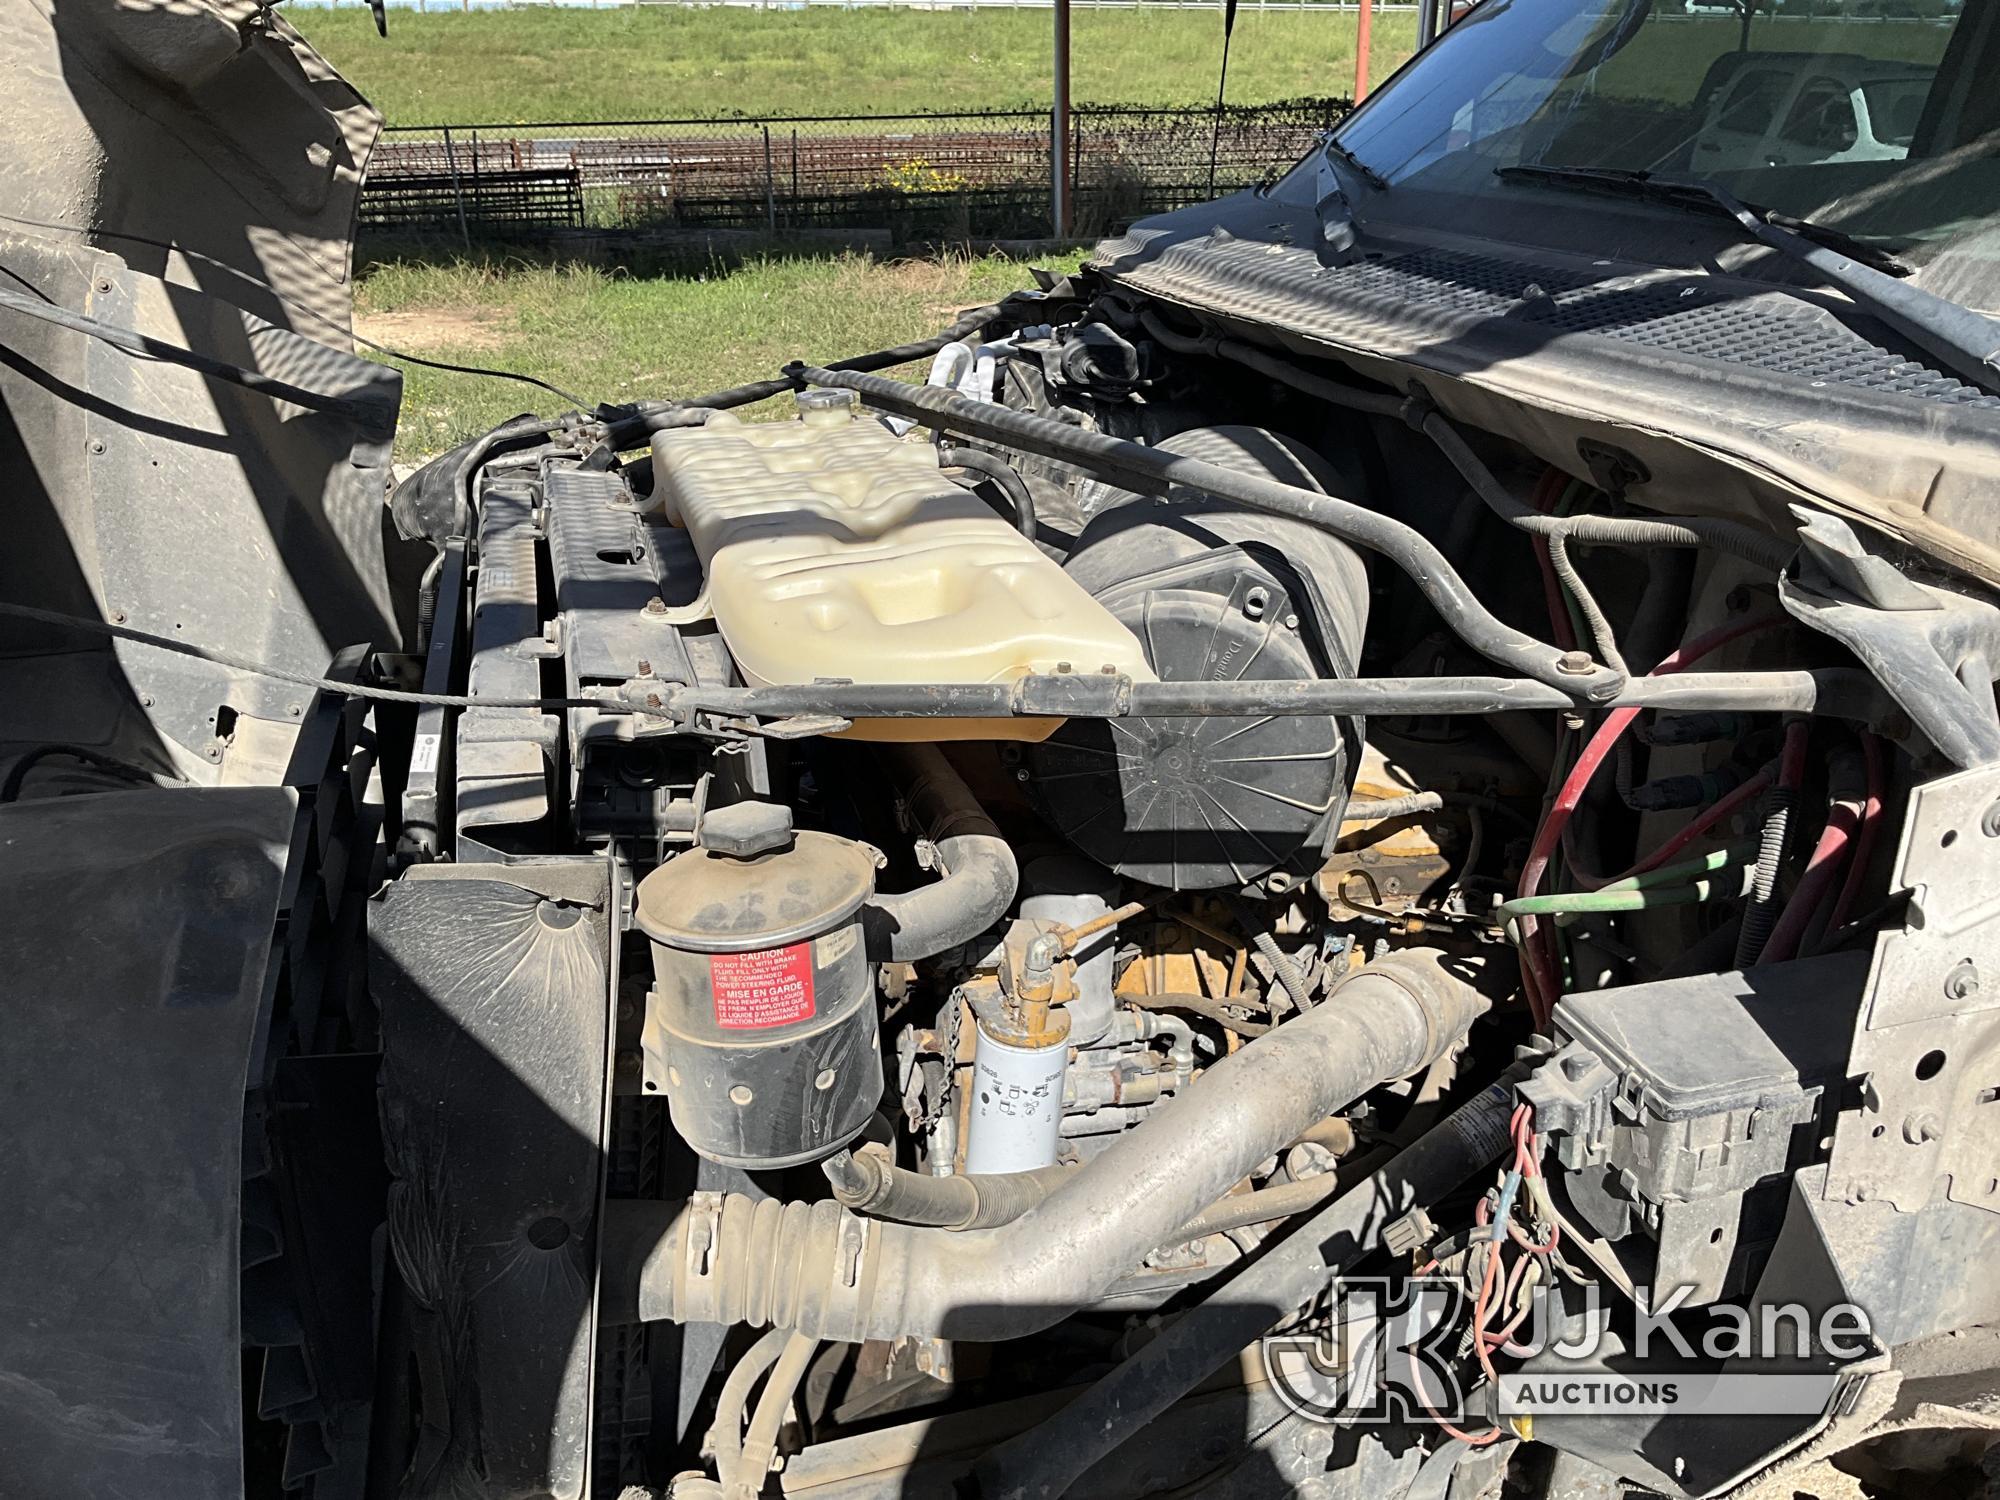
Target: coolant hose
<point>1004,476</point>
<point>821,1270</point>
<point>977,1200</point>
<point>980,875</point>
<point>1046,1460</point>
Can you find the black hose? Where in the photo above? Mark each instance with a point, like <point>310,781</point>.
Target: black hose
<point>1744,542</point>
<point>980,874</point>
<point>1046,1460</point>
<point>1151,471</point>
<point>1334,392</point>
<point>1680,531</point>
<point>976,1200</point>
<point>1003,475</point>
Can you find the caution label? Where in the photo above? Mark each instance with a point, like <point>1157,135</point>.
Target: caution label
<point>771,988</point>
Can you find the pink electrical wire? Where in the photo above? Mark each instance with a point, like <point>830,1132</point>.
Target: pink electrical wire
<point>1538,967</point>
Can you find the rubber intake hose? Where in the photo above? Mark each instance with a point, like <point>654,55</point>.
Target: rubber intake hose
<point>980,874</point>
<point>977,1200</point>
<point>1046,1460</point>
<point>819,1269</point>
<point>1151,471</point>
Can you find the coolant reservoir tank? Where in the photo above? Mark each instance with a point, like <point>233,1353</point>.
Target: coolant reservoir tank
<point>835,549</point>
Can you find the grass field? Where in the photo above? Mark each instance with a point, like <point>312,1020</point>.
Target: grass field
<point>666,62</point>
<point>614,336</point>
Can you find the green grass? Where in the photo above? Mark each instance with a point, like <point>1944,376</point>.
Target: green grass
<point>615,336</point>
<point>665,62</point>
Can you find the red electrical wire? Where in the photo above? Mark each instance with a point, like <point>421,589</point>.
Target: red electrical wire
<point>1865,835</point>
<point>1538,967</point>
<point>1843,818</point>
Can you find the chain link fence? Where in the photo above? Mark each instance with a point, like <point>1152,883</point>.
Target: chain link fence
<point>919,176</point>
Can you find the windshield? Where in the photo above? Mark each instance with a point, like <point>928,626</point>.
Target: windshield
<point>1877,117</point>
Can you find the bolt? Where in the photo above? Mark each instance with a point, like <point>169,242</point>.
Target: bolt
<point>1291,622</point>
<point>1063,666</point>
<point>1963,982</point>
<point>1922,1126</point>
<point>645,667</point>
<point>1109,669</point>
<point>1022,774</point>
<point>1575,663</point>
<point>655,606</point>
<point>213,752</point>
<point>1990,823</point>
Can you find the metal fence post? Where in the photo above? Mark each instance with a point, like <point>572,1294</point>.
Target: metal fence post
<point>1059,206</point>
<point>770,187</point>
<point>457,188</point>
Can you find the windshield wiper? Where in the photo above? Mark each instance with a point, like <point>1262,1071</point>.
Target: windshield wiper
<point>1697,194</point>
<point>1333,147</point>
<point>1963,341</point>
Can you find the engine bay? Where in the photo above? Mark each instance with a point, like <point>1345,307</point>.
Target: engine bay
<point>1071,896</point>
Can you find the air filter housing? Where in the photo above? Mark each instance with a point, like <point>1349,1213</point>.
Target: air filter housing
<point>1215,593</point>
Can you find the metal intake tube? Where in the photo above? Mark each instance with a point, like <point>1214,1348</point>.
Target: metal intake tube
<point>980,875</point>
<point>819,1269</point>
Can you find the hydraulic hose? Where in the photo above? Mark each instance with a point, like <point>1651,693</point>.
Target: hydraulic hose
<point>1681,531</point>
<point>818,1269</point>
<point>1740,541</point>
<point>977,1200</point>
<point>980,875</point>
<point>1046,1460</point>
<point>1003,475</point>
<point>1152,471</point>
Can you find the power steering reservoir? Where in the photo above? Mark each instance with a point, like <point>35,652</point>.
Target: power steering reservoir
<point>761,1026</point>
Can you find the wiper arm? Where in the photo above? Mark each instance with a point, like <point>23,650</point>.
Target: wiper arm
<point>1692,193</point>
<point>1333,147</point>
<point>1963,341</point>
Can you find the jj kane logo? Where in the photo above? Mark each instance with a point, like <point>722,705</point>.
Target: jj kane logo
<point>1403,1351</point>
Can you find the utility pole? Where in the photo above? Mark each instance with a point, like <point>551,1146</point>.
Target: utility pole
<point>1363,24</point>
<point>1059,128</point>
